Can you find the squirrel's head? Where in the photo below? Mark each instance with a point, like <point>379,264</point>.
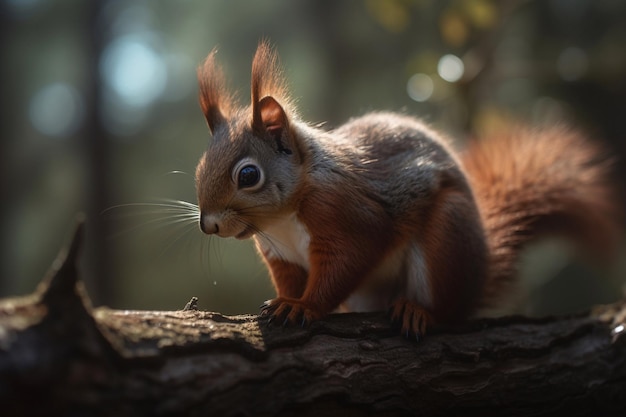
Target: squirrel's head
<point>251,168</point>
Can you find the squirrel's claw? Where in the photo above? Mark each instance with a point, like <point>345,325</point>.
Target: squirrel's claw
<point>413,319</point>
<point>290,311</point>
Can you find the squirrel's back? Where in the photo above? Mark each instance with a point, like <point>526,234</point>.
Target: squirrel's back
<point>529,183</point>
<point>401,158</point>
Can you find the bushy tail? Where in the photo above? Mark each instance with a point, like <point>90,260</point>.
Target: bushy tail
<point>530,183</point>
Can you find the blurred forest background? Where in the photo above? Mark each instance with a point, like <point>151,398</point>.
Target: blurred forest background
<point>99,112</point>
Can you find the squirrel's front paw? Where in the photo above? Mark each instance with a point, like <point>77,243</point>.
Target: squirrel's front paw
<point>288,311</point>
<point>413,319</point>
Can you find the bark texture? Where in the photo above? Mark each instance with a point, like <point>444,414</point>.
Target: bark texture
<point>58,356</point>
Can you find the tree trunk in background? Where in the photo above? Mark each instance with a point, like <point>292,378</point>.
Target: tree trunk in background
<point>96,154</point>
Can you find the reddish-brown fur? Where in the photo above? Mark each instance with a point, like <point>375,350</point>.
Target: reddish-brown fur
<point>381,212</point>
<point>342,251</point>
<point>453,245</point>
<point>289,279</point>
<point>266,81</point>
<point>215,101</point>
<point>530,183</point>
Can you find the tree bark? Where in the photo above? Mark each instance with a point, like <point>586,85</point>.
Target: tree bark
<point>58,356</point>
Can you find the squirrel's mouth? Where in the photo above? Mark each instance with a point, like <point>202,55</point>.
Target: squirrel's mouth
<point>245,234</point>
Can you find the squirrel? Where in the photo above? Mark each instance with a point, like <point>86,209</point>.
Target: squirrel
<point>382,213</point>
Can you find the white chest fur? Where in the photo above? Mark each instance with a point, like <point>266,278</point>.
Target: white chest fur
<point>288,239</point>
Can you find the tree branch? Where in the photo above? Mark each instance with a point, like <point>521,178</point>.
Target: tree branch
<point>60,356</point>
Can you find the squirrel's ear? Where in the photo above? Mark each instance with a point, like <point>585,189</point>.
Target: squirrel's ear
<point>216,102</point>
<point>267,82</point>
<point>272,121</point>
<point>272,116</point>
<point>269,89</point>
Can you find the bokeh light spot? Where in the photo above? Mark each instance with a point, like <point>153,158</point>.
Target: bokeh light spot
<point>450,68</point>
<point>134,71</point>
<point>393,15</point>
<point>453,29</point>
<point>482,13</point>
<point>420,87</point>
<point>57,110</point>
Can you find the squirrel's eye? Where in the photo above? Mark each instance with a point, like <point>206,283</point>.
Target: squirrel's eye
<point>249,176</point>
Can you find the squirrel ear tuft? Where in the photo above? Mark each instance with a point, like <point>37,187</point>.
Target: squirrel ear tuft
<point>268,87</point>
<point>216,102</point>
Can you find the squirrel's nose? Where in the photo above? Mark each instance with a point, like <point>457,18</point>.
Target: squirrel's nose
<point>209,224</point>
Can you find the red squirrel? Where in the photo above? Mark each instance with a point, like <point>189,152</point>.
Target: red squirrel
<point>381,213</point>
